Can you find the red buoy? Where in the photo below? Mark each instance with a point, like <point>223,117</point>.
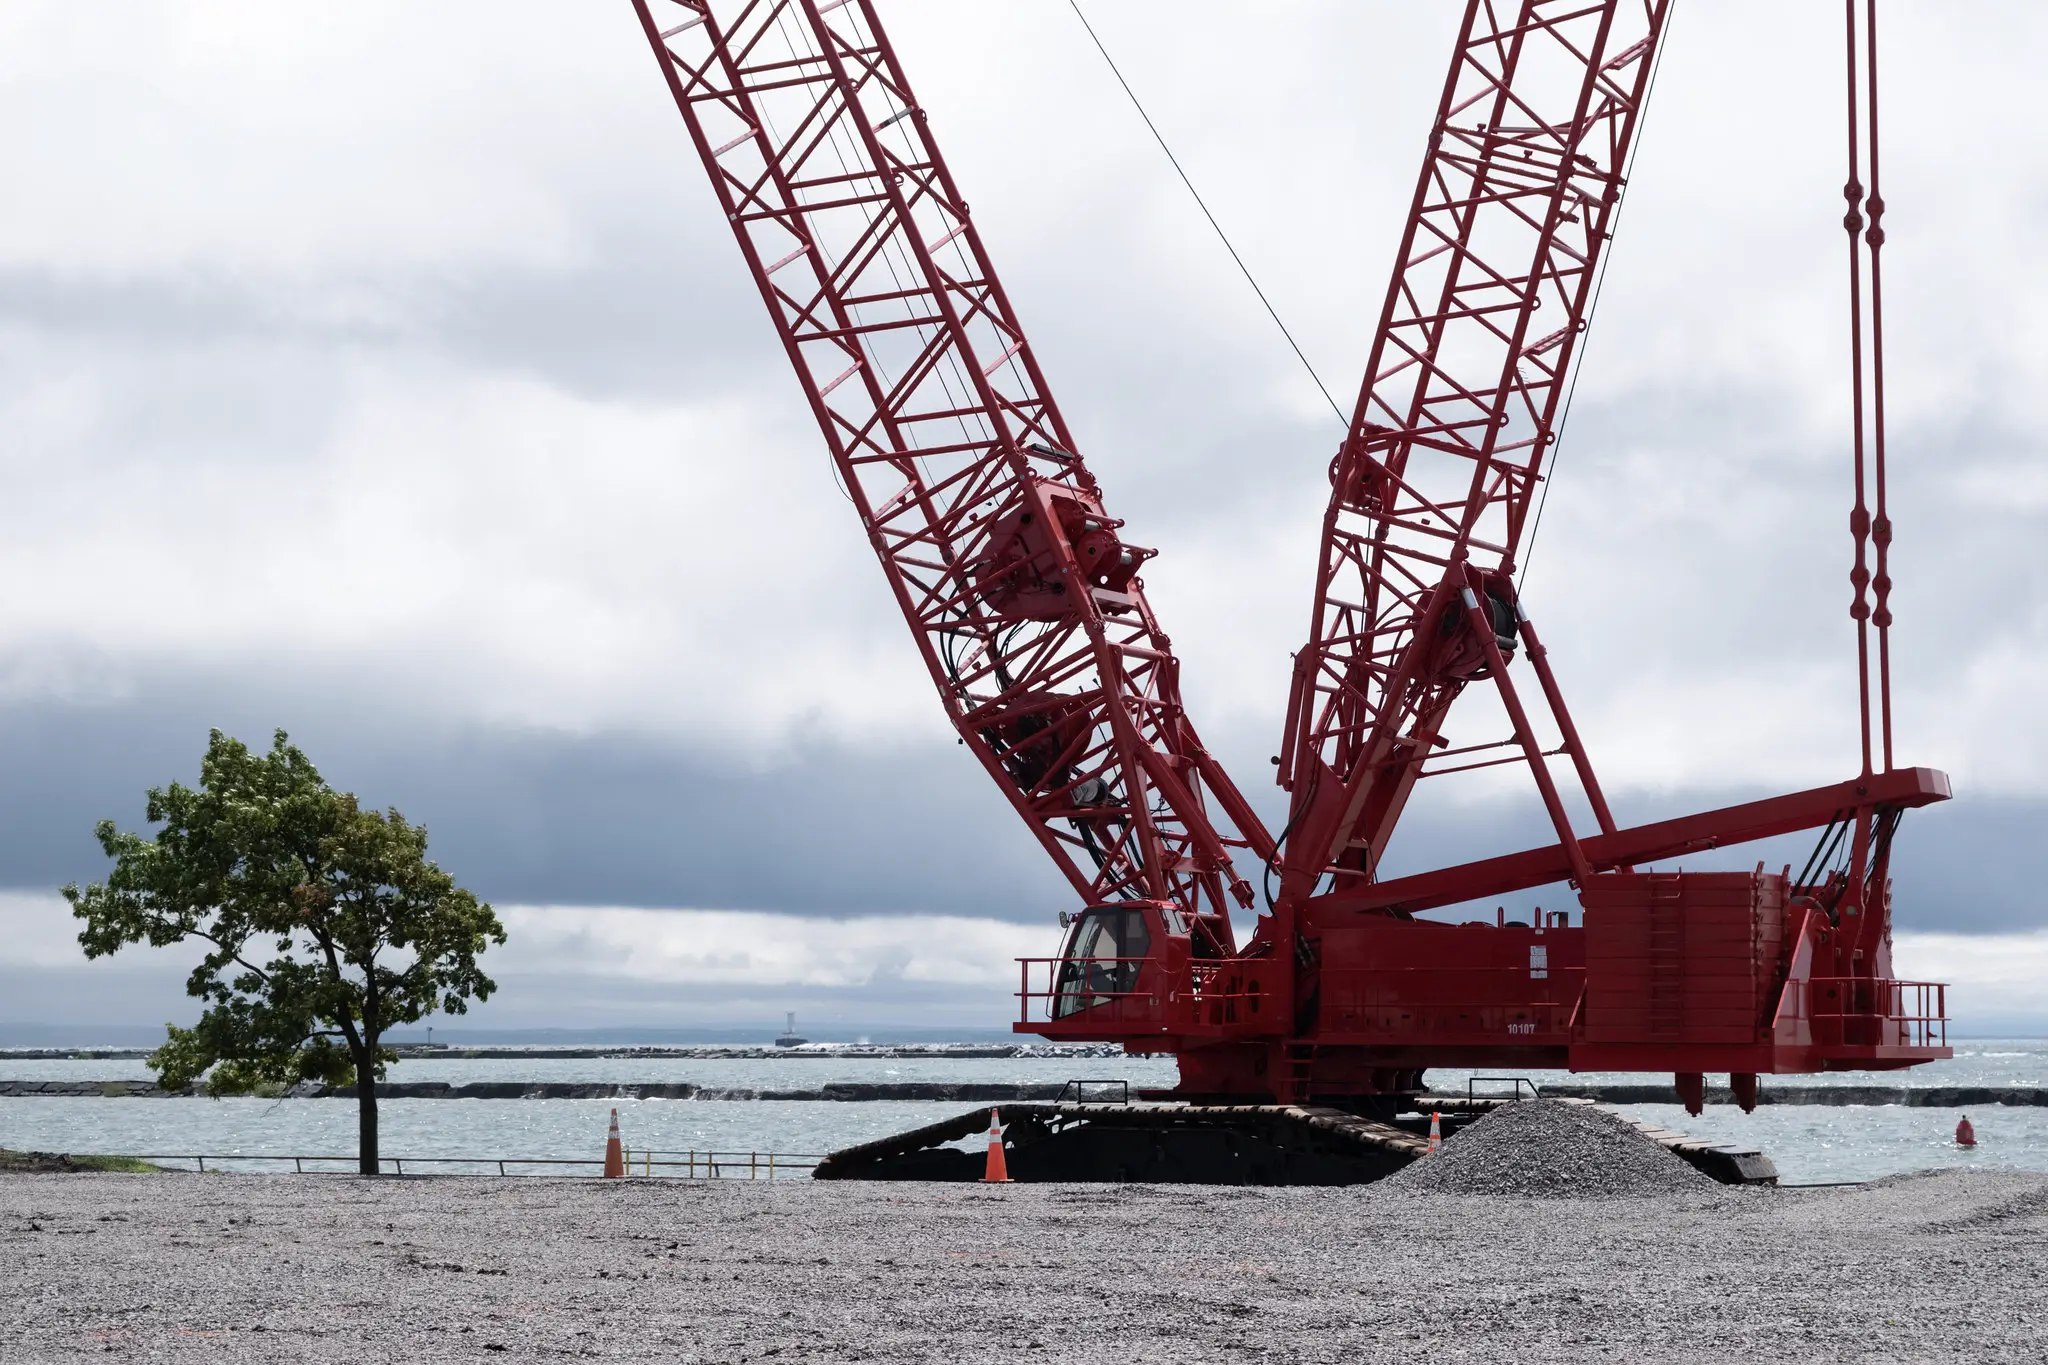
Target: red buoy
<point>1966,1136</point>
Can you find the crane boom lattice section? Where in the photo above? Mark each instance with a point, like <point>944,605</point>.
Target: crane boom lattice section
<point>1458,410</point>
<point>1025,601</point>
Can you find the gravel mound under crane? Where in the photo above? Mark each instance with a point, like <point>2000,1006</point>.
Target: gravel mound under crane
<point>1551,1149</point>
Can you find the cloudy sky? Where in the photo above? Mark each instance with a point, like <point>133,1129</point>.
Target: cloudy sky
<point>385,373</point>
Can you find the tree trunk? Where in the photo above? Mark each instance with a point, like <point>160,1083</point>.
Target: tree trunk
<point>366,1113</point>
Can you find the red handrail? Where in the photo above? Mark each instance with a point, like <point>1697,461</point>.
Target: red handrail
<point>1198,985</point>
<point>1925,1024</point>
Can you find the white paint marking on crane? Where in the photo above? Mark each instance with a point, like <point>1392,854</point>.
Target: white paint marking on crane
<point>896,500</point>
<point>844,375</point>
<point>997,363</point>
<point>725,147</point>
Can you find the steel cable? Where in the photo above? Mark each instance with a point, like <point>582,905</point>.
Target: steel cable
<point>1593,307</point>
<point>1221,235</point>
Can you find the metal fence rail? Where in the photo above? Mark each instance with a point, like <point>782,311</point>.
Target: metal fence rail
<point>1518,1082</point>
<point>653,1165</point>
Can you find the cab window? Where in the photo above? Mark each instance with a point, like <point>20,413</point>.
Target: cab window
<point>1092,973</point>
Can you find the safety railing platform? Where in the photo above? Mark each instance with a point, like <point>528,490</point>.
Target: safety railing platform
<point>1902,1013</point>
<point>1098,991</point>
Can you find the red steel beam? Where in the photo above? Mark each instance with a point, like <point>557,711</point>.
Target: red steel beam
<point>943,432</point>
<point>1902,787</point>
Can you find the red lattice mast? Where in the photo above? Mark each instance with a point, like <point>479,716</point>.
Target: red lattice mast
<point>1432,489</point>
<point>1026,602</point>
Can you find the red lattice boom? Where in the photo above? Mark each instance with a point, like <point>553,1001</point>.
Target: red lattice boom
<point>1025,599</point>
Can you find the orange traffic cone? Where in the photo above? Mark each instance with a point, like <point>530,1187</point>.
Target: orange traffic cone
<point>1436,1132</point>
<point>1966,1136</point>
<point>614,1155</point>
<point>998,1172</point>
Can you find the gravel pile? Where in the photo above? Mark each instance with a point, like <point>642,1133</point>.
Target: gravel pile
<point>271,1270</point>
<point>1549,1149</point>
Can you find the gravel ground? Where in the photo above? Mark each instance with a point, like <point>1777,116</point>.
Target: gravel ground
<point>1949,1267</point>
<point>1551,1149</point>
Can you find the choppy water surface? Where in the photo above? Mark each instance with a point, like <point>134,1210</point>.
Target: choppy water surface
<point>1979,1062</point>
<point>1812,1143</point>
<point>1808,1143</point>
<point>452,1128</point>
<point>796,1070</point>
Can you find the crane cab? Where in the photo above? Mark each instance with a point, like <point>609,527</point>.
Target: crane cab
<point>1107,950</point>
<point>1116,975</point>
<point>1132,971</point>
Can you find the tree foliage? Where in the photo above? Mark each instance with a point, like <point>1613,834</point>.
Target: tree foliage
<point>324,924</point>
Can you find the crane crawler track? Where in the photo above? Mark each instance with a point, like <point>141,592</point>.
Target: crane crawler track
<point>1237,1144</point>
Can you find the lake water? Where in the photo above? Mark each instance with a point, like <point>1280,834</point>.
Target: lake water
<point>1978,1062</point>
<point>797,1070</point>
<point>1808,1143</point>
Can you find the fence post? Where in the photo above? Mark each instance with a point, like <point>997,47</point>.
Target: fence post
<point>202,1164</point>
<point>753,1165</point>
<point>771,1165</point>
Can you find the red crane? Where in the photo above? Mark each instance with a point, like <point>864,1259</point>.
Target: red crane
<point>1029,608</point>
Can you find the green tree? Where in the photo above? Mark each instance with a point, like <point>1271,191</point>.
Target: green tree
<point>265,860</point>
